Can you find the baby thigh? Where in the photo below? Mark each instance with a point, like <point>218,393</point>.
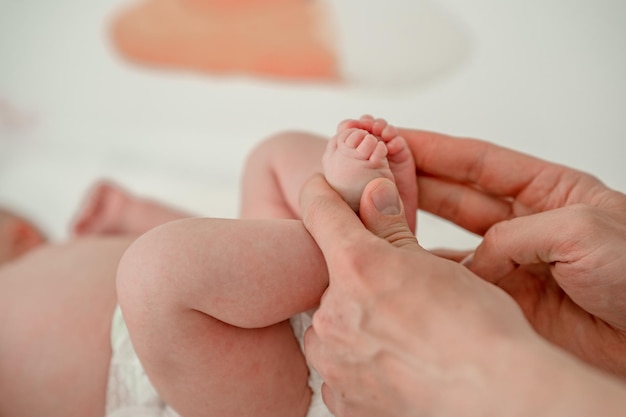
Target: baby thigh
<point>206,302</point>
<point>201,366</point>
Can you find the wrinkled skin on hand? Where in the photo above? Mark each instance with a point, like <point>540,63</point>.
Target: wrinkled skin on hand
<point>401,332</point>
<point>554,238</point>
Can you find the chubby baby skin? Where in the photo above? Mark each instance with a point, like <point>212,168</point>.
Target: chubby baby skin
<point>55,341</point>
<point>187,279</point>
<point>56,304</point>
<point>56,300</point>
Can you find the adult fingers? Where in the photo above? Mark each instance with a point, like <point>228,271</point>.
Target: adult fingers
<point>331,222</point>
<point>314,351</point>
<point>382,213</point>
<point>498,171</point>
<point>330,399</point>
<point>464,204</point>
<point>561,237</point>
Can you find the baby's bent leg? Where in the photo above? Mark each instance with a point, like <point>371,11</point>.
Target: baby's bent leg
<point>206,303</point>
<point>201,366</point>
<point>276,170</point>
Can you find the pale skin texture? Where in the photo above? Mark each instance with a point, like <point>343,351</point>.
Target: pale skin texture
<point>75,287</point>
<point>402,332</point>
<point>554,238</point>
<point>56,303</point>
<point>33,393</point>
<point>206,304</point>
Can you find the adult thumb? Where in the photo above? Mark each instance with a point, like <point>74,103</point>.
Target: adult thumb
<point>381,211</point>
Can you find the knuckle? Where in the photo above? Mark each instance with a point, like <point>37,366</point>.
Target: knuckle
<point>330,372</point>
<point>357,268</point>
<point>321,322</point>
<point>494,236</point>
<point>329,325</point>
<point>399,236</point>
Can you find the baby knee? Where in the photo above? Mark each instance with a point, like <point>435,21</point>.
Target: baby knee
<point>143,271</point>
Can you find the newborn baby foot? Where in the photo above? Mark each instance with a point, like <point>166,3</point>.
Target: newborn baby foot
<point>103,211</point>
<point>110,209</point>
<point>398,160</point>
<point>352,159</point>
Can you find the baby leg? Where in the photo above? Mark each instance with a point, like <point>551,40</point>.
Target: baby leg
<point>206,302</point>
<point>399,156</point>
<point>109,209</point>
<point>276,170</point>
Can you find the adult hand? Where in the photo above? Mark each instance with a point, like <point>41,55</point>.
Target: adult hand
<point>554,238</point>
<point>401,332</point>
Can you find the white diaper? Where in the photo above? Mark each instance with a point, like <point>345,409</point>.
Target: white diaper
<point>131,394</point>
<point>300,323</point>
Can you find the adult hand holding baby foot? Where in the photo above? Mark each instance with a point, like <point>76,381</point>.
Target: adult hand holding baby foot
<point>554,238</point>
<point>402,332</point>
<point>368,148</point>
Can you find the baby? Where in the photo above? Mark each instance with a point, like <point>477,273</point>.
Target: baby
<point>212,305</point>
<point>215,308</point>
<point>56,303</point>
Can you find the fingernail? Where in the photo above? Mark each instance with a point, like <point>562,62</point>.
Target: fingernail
<point>467,261</point>
<point>386,200</point>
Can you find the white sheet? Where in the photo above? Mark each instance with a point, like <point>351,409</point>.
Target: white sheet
<point>543,77</point>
